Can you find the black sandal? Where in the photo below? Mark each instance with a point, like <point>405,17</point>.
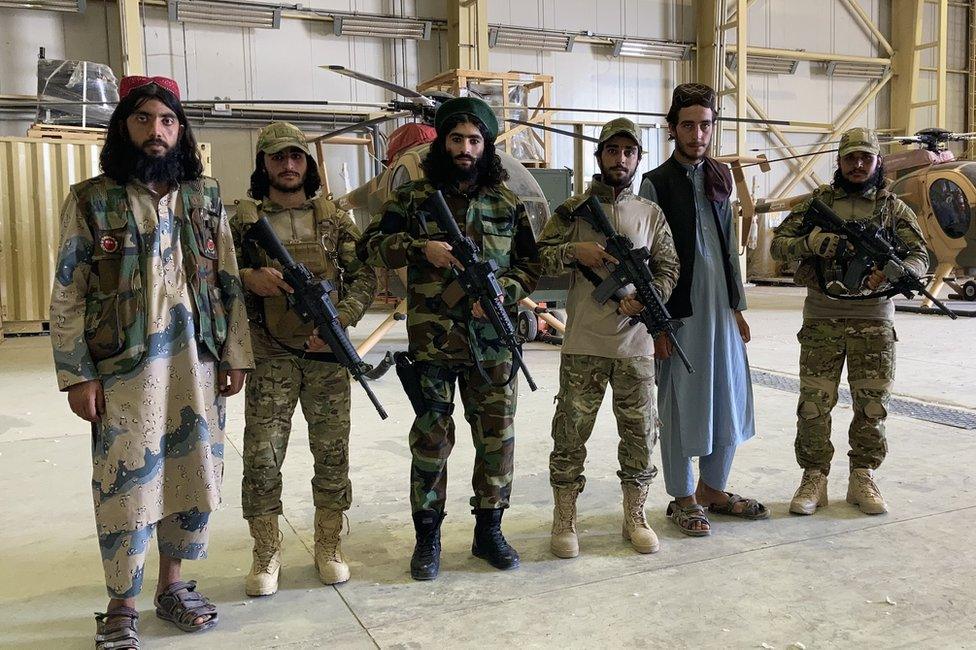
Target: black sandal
<point>122,633</point>
<point>753,510</point>
<point>181,605</point>
<point>685,517</point>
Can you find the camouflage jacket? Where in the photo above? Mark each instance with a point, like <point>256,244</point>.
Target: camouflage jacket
<point>596,329</point>
<point>321,237</point>
<point>880,206</point>
<point>98,303</point>
<point>496,220</point>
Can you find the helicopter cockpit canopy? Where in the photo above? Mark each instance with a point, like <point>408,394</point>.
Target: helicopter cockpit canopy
<point>950,206</point>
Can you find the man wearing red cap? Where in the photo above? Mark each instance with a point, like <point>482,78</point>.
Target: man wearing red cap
<point>150,337</point>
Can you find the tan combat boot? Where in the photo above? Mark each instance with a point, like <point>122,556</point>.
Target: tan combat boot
<point>564,542</point>
<point>266,557</point>
<point>811,494</point>
<point>328,556</point>
<point>863,492</point>
<point>636,529</point>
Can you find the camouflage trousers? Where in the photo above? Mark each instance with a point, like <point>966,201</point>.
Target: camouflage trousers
<point>583,381</point>
<point>182,535</point>
<point>489,410</point>
<point>273,390</point>
<point>868,346</point>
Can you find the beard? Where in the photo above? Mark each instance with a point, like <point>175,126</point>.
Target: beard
<point>851,187</point>
<point>467,174</point>
<point>689,153</point>
<point>615,181</point>
<point>166,168</point>
<point>296,186</point>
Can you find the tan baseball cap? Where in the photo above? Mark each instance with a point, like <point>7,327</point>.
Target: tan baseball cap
<point>278,136</point>
<point>859,139</point>
<point>620,126</point>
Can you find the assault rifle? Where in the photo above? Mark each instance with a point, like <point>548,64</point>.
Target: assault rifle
<point>632,269</point>
<point>478,281</point>
<point>312,303</point>
<point>870,250</point>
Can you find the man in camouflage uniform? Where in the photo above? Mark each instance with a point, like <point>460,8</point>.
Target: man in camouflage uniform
<point>285,189</point>
<point>861,332</point>
<point>449,339</point>
<point>150,336</point>
<point>601,345</point>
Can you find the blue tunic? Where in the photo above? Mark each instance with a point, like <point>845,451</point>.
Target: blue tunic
<point>713,407</point>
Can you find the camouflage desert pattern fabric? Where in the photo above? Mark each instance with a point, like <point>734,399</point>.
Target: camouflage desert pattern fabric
<point>790,237</point>
<point>497,222</point>
<point>148,301</point>
<point>867,345</point>
<point>324,239</point>
<point>583,382</point>
<point>869,349</point>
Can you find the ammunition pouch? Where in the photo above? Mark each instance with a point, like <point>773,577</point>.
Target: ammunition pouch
<point>410,373</point>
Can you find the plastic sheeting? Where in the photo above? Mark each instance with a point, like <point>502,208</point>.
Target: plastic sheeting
<point>76,81</point>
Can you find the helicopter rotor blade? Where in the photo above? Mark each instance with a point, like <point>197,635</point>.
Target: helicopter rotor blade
<point>403,91</point>
<point>543,127</point>
<point>361,125</point>
<point>747,120</point>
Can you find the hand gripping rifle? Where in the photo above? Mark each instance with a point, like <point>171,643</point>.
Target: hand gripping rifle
<point>312,303</point>
<point>631,269</point>
<point>870,250</point>
<point>478,281</point>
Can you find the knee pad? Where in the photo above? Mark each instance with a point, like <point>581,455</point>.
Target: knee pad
<point>809,410</point>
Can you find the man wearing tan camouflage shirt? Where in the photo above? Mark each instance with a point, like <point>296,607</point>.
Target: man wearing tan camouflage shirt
<point>150,337</point>
<point>860,332</point>
<point>601,344</point>
<point>293,366</point>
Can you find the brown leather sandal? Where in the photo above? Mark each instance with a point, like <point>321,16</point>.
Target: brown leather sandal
<point>119,633</point>
<point>181,605</point>
<point>753,509</point>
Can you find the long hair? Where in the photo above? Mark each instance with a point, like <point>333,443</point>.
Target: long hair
<point>120,156</point>
<point>877,181</point>
<point>261,183</point>
<point>439,167</point>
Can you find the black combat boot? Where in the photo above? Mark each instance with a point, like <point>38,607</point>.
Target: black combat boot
<point>426,560</point>
<point>489,543</point>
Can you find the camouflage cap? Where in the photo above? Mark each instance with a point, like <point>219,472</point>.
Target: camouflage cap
<point>470,106</point>
<point>620,126</point>
<point>859,139</point>
<point>278,136</point>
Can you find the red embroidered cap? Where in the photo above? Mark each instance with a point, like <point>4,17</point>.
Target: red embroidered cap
<point>128,84</point>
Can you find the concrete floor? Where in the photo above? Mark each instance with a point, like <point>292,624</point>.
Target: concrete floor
<point>837,579</point>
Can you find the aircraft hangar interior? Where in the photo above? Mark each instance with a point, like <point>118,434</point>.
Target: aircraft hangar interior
<point>683,291</point>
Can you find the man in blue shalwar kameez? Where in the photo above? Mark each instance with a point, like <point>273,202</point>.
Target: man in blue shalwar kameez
<point>709,413</point>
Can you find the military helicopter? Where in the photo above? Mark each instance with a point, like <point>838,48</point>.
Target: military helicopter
<point>940,189</point>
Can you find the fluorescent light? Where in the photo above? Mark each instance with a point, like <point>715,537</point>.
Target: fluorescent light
<point>762,64</point>
<point>382,27</point>
<point>71,6</point>
<point>651,49</point>
<point>233,14</point>
<point>532,39</point>
<point>854,69</point>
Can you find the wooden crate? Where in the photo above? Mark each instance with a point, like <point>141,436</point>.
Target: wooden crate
<point>60,132</point>
<point>538,98</point>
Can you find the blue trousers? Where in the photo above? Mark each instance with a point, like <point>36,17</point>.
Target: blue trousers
<point>679,473</point>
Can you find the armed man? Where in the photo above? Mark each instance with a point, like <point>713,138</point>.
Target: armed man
<point>150,337</point>
<point>602,345</point>
<point>449,338</point>
<point>291,364</point>
<point>707,414</point>
<point>842,325</point>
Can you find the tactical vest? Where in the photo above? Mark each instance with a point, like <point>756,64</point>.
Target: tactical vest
<point>318,251</point>
<point>806,273</point>
<point>115,306</point>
